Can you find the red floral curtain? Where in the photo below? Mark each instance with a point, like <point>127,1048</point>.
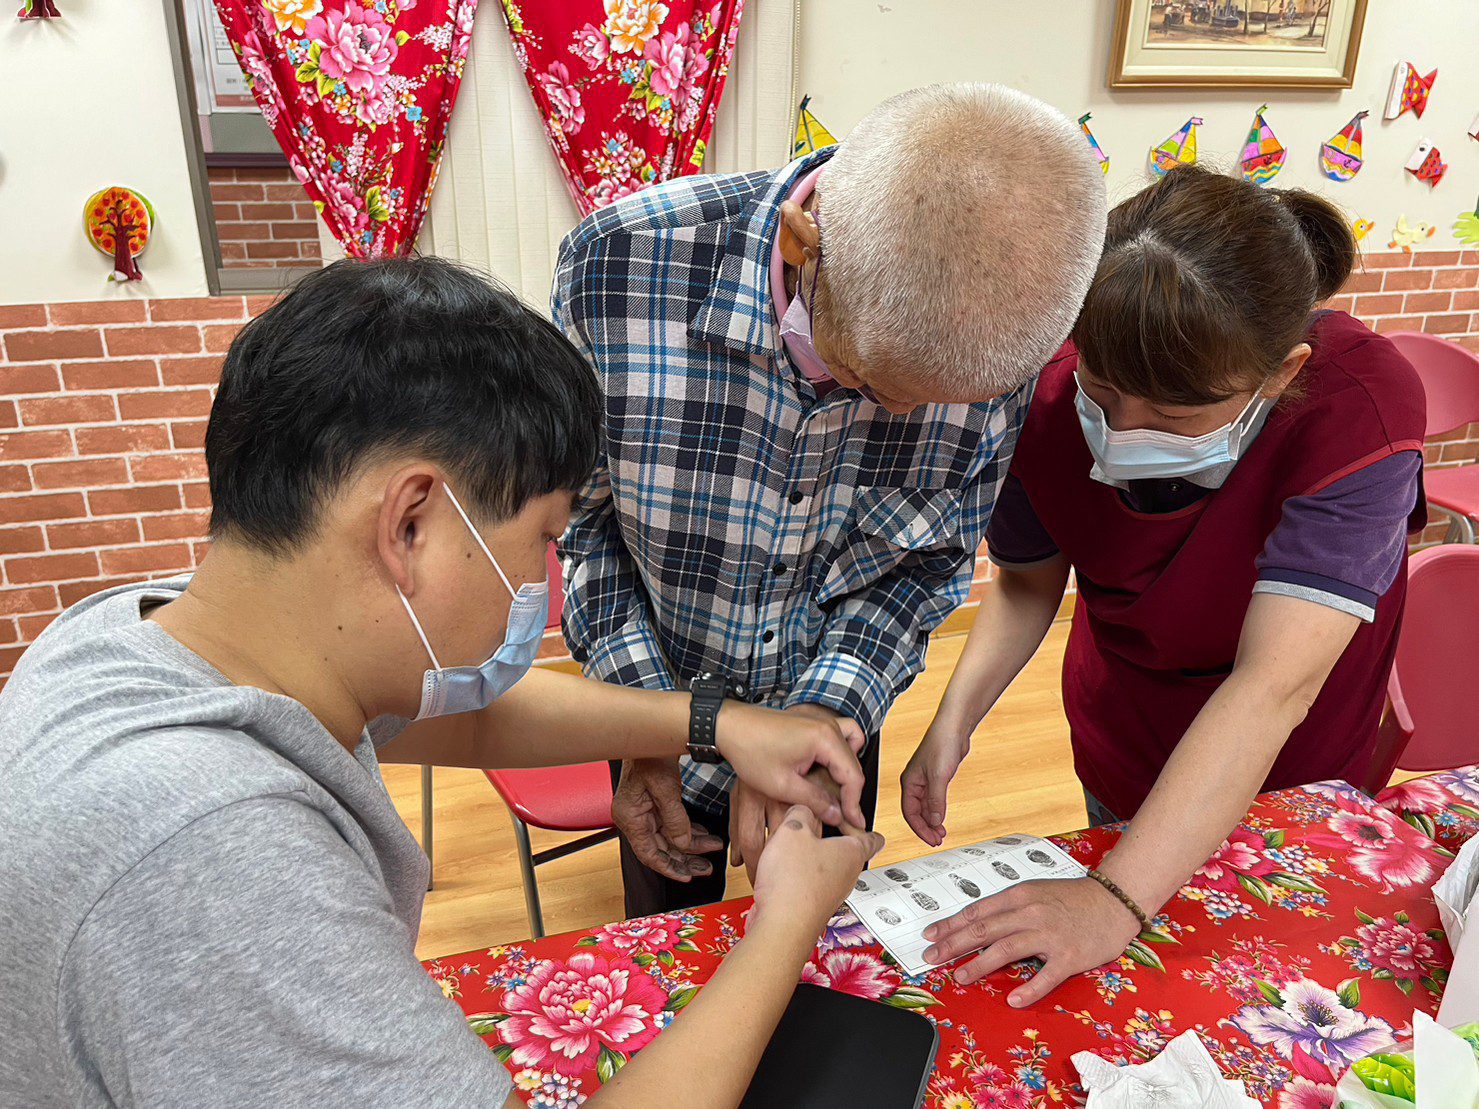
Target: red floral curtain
<point>358,93</point>
<point>627,88</point>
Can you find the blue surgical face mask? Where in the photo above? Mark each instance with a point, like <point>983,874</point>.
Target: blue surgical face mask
<point>451,689</point>
<point>1139,453</point>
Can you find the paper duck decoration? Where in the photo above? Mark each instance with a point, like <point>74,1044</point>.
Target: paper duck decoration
<point>119,222</point>
<point>1426,164</point>
<point>1340,158</point>
<point>1466,227</point>
<point>1083,125</point>
<point>1361,228</point>
<point>810,134</point>
<point>1178,150</point>
<point>1405,236</point>
<point>1263,154</point>
<point>1409,91</point>
<point>38,9</point>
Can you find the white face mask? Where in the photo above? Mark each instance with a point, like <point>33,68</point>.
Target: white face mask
<point>451,689</point>
<point>1139,453</point>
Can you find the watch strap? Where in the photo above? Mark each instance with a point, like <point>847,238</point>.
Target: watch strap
<point>708,692</point>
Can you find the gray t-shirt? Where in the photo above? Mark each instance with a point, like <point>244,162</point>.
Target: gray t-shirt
<point>204,898</point>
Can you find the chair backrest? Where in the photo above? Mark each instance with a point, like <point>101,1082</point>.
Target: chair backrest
<point>1433,679</point>
<point>556,589</point>
<point>1450,377</point>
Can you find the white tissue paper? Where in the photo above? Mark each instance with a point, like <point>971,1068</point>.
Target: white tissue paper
<point>1457,895</point>
<point>1183,1076</point>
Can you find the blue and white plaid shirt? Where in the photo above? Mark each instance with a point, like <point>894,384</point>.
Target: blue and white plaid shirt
<point>736,524</point>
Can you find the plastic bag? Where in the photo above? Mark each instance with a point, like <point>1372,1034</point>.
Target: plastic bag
<point>1391,1079</point>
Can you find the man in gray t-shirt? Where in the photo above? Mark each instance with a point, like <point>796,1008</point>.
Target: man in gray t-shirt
<point>206,895</point>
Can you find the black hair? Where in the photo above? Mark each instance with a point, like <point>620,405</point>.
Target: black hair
<point>1206,283</point>
<point>410,356</point>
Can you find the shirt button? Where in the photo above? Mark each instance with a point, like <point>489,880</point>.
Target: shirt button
<point>778,568</point>
<point>768,637</point>
<point>797,497</point>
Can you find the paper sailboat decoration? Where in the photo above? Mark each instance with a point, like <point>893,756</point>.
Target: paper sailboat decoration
<point>1083,123</point>
<point>1178,150</point>
<point>1263,154</point>
<point>810,134</point>
<point>1409,91</point>
<point>1340,158</point>
<point>1426,164</point>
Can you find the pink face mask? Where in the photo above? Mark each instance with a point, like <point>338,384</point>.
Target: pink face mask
<point>796,333</point>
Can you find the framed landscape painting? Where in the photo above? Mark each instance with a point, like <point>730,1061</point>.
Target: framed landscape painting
<point>1236,43</point>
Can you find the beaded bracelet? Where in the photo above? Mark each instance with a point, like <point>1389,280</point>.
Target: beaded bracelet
<point>1123,897</point>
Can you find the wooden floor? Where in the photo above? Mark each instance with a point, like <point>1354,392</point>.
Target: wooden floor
<point>1019,778</point>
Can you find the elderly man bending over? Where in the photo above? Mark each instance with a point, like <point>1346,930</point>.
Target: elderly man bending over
<point>814,380</point>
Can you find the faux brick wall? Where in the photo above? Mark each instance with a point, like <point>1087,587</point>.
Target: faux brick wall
<point>103,408</point>
<point>263,218</point>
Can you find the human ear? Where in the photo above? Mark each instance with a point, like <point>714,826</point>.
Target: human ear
<point>1288,370</point>
<point>800,237</point>
<point>400,525</point>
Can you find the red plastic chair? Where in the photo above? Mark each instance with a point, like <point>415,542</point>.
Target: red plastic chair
<point>1430,717</point>
<point>1450,376</point>
<point>559,799</point>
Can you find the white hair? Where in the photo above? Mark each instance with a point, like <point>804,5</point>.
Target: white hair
<point>961,226</point>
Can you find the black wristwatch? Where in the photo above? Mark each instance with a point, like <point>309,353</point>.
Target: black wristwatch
<point>709,692</point>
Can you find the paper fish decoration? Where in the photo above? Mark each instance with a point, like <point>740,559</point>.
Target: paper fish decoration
<point>1426,164</point>
<point>1083,124</point>
<point>1361,228</point>
<point>119,222</point>
<point>1340,158</point>
<point>810,134</point>
<point>1407,236</point>
<point>1409,91</point>
<point>1178,150</point>
<point>1263,154</point>
<point>38,9</point>
<point>1466,227</point>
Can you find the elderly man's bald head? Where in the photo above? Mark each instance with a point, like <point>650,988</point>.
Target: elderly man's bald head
<point>960,227</point>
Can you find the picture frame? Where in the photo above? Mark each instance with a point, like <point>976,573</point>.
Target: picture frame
<point>1236,43</point>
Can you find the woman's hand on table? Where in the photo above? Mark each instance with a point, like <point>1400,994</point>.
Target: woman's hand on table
<point>773,751</point>
<point>1071,924</point>
<point>926,779</point>
<point>802,877</point>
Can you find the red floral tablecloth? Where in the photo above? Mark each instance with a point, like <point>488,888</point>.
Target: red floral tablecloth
<point>1442,806</point>
<point>1304,943</point>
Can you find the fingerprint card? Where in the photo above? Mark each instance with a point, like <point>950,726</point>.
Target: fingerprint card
<point>898,901</point>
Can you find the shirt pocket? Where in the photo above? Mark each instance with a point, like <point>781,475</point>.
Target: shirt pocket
<point>889,526</point>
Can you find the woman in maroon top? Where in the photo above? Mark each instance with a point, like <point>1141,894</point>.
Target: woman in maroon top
<point>1231,475</point>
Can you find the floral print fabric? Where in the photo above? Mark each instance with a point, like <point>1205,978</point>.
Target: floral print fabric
<point>1304,943</point>
<point>358,94</point>
<point>627,89</point>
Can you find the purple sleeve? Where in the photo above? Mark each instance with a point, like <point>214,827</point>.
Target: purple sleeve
<point>1015,537</point>
<point>1343,546</point>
